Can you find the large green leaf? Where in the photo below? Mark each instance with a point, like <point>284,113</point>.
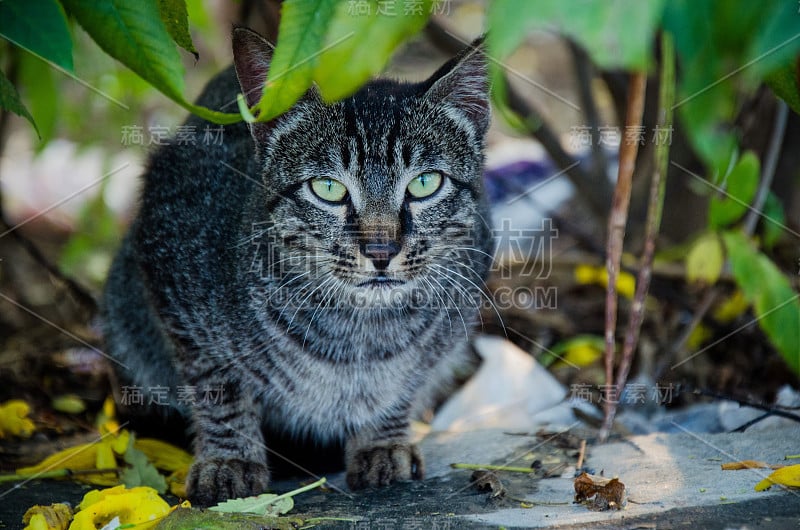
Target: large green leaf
<point>176,20</point>
<point>359,45</point>
<point>300,37</point>
<point>775,303</point>
<point>38,85</point>
<point>724,47</point>
<point>134,34</point>
<point>784,82</point>
<point>40,27</point>
<point>740,187</point>
<point>594,24</point>
<point>9,99</point>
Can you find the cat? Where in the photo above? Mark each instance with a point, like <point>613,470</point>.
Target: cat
<point>323,270</point>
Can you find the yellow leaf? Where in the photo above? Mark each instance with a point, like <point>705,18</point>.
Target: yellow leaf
<point>588,274</point>
<point>104,458</point>
<point>705,259</point>
<point>699,336</point>
<point>140,506</point>
<point>53,517</point>
<point>14,419</point>
<point>785,476</point>
<point>582,350</point>
<point>731,308</point>
<point>163,455</point>
<point>69,403</point>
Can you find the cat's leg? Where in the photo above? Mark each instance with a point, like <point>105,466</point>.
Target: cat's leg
<point>384,455</point>
<point>230,455</point>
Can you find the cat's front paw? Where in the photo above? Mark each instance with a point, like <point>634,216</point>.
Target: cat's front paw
<point>213,480</point>
<point>381,465</point>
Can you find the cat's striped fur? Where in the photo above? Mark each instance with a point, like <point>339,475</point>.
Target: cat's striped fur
<point>324,320</point>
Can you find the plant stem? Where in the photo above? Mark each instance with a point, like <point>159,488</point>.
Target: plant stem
<point>490,467</point>
<point>56,473</point>
<point>616,235</point>
<point>292,493</point>
<point>654,212</point>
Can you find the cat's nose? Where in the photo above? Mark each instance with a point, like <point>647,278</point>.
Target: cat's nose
<point>380,251</point>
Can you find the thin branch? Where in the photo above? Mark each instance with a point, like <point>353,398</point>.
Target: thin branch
<point>768,170</point>
<point>583,75</point>
<point>616,235</point>
<point>655,209</point>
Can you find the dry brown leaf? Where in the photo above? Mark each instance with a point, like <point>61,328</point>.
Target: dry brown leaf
<point>488,481</point>
<point>607,493</point>
<point>744,464</point>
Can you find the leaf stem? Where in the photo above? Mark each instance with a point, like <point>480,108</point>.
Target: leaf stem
<point>490,467</point>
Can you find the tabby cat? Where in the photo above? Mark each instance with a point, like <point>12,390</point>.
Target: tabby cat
<point>322,270</point>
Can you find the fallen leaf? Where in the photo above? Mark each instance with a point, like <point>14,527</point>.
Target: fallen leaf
<point>785,476</point>
<point>607,493</point>
<point>139,506</point>
<point>488,481</point>
<point>264,504</point>
<point>141,471</point>
<point>14,419</point>
<point>744,464</point>
<point>53,517</point>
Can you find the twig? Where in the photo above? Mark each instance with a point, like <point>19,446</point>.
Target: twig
<point>616,235</point>
<point>771,409</point>
<point>490,467</point>
<point>583,75</point>
<point>770,163</point>
<point>581,455</point>
<point>655,209</point>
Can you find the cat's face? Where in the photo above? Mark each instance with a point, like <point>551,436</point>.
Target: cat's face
<point>379,196</point>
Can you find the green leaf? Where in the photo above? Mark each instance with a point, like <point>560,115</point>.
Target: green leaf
<point>176,20</point>
<point>9,99</point>
<point>133,33</point>
<point>300,36</point>
<point>740,188</point>
<point>775,303</point>
<point>40,27</point>
<point>267,503</point>
<point>359,45</point>
<point>705,259</point>
<point>38,86</point>
<point>783,82</point>
<point>264,504</point>
<point>141,471</point>
<point>594,24</point>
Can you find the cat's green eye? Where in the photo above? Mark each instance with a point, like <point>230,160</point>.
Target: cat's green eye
<point>425,184</point>
<point>328,189</point>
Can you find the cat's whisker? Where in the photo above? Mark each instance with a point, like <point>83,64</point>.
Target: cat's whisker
<point>444,304</point>
<point>480,291</point>
<point>300,306</point>
<point>455,304</point>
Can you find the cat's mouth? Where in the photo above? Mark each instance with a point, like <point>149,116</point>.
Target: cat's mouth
<point>379,282</point>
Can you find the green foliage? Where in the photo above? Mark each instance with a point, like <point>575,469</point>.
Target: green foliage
<point>739,187</point>
<point>176,19</point>
<point>37,80</point>
<point>705,259</point>
<point>9,99</point>
<point>594,24</point>
<point>38,26</point>
<point>358,46</point>
<point>301,34</point>
<point>141,471</point>
<point>775,303</point>
<point>716,40</point>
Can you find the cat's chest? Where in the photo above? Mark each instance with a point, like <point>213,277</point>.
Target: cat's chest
<point>328,399</point>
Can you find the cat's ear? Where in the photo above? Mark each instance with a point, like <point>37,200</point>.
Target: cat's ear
<point>463,84</point>
<point>252,55</point>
